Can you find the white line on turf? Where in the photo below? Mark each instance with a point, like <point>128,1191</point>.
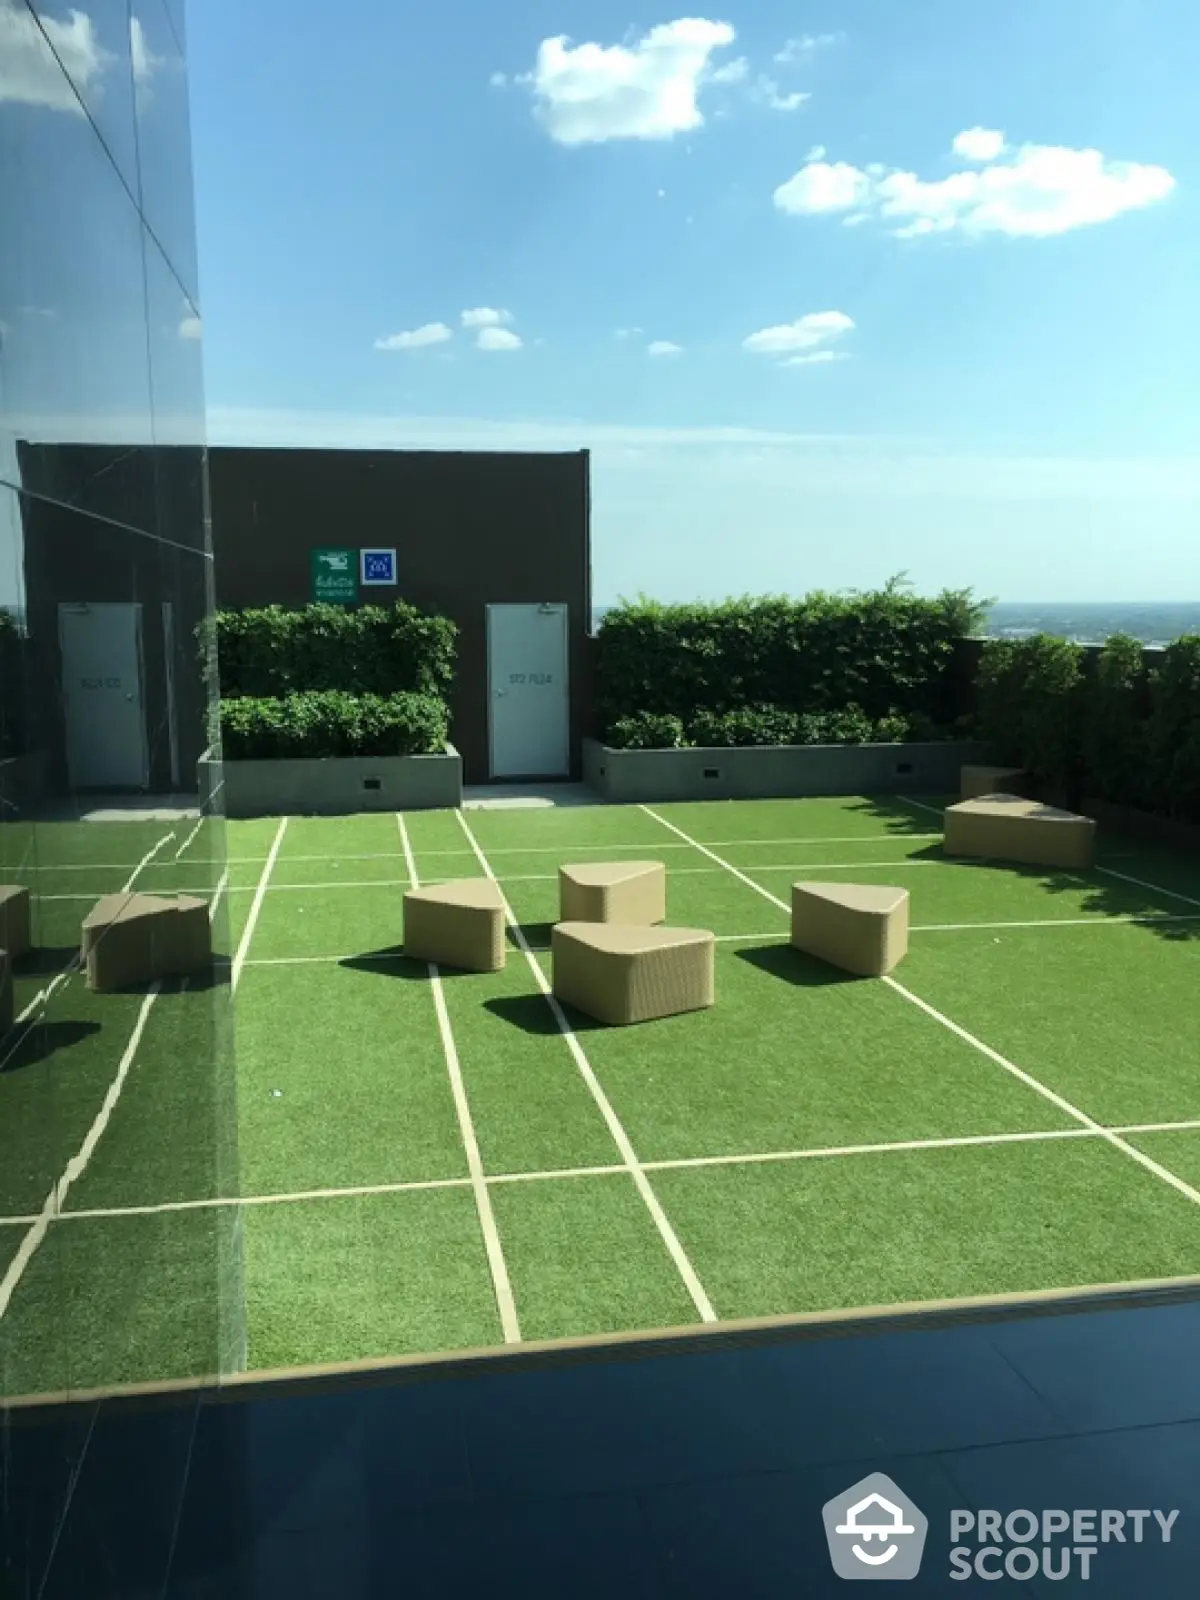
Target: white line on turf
<point>1027,1078</point>
<point>466,1127</point>
<point>78,1163</point>
<point>1155,888</point>
<point>921,805</point>
<point>190,837</point>
<point>554,1174</point>
<point>620,1138</point>
<point>239,959</point>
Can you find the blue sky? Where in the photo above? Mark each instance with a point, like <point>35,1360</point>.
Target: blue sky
<point>932,275</point>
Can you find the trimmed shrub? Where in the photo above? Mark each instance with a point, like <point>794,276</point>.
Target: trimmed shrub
<point>1029,703</point>
<point>646,730</point>
<point>271,651</point>
<point>886,651</point>
<point>1174,730</point>
<point>1116,746</point>
<point>332,723</point>
<point>13,715</point>
<point>744,725</point>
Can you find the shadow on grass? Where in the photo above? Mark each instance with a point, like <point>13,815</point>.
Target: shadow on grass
<point>532,1014</point>
<point>537,935</point>
<point>793,966</point>
<point>390,962</point>
<point>45,961</point>
<point>33,1042</point>
<point>1175,920</point>
<point>898,816</point>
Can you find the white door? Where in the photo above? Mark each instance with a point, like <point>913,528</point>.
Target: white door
<point>527,678</point>
<point>102,695</point>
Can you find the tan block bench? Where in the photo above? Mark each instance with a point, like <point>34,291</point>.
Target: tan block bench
<point>620,973</point>
<point>15,934</point>
<point>133,939</point>
<point>459,924</point>
<point>613,891</point>
<point>1006,827</point>
<point>860,927</point>
<point>975,782</point>
<point>7,1004</point>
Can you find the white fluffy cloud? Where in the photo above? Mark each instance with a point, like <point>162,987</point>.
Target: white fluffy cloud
<point>190,328</point>
<point>493,338</point>
<point>1030,191</point>
<point>485,317</point>
<point>805,340</point>
<point>29,72</point>
<point>416,338</point>
<point>979,144</point>
<point>663,347</point>
<point>732,72</point>
<point>816,358</point>
<point>769,93</point>
<point>798,49</point>
<point>823,186</point>
<point>588,93</point>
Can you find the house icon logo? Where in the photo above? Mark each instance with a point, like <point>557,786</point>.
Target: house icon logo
<point>875,1531</point>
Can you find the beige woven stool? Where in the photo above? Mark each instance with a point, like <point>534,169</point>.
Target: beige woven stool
<point>459,924</point>
<point>975,782</point>
<point>14,920</point>
<point>1008,828</point>
<point>131,939</point>
<point>860,927</point>
<point>619,973</point>
<point>613,891</point>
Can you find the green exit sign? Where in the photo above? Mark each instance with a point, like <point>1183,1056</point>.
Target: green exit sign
<point>333,576</point>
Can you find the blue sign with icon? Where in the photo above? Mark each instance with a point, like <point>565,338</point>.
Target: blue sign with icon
<point>377,567</point>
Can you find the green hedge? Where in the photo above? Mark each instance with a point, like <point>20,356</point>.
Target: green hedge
<point>1120,724</point>
<point>272,651</point>
<point>332,723</point>
<point>768,725</point>
<point>13,717</point>
<point>887,652</point>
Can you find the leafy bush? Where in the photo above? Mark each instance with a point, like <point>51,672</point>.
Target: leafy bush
<point>887,651</point>
<point>271,651</point>
<point>332,723</point>
<point>1029,702</point>
<point>1174,730</point>
<point>13,686</point>
<point>647,731</point>
<point>1113,726</point>
<point>743,725</point>
<point>892,729</point>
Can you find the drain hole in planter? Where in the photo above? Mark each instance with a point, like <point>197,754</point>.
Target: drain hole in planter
<point>903,766</point>
<point>712,772</point>
<point>372,783</point>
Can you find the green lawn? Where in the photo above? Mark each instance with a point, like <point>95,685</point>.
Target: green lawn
<point>811,1143</point>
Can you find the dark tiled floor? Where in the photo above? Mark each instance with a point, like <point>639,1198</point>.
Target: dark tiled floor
<point>658,1476</point>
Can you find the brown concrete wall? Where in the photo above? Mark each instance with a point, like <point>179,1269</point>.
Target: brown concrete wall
<point>469,530</point>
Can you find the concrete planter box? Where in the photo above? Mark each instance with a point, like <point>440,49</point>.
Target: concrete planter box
<point>760,772</point>
<point>1145,825</point>
<point>330,786</point>
<point>22,782</point>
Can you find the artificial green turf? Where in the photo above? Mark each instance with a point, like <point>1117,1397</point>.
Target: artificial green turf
<point>872,1230</point>
<point>52,1086</point>
<point>328,922</point>
<point>529,1104</point>
<point>250,838</point>
<point>173,1133</point>
<point>814,819</point>
<point>121,1300</point>
<point>1179,1152</point>
<point>565,825</point>
<point>369,833</point>
<point>584,1256</point>
<point>379,1275</point>
<point>363,1091</point>
<point>1107,1016</point>
<point>341,869</point>
<point>794,1057</point>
